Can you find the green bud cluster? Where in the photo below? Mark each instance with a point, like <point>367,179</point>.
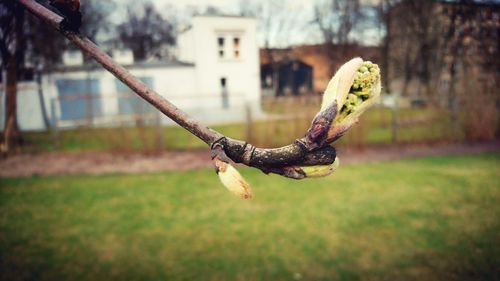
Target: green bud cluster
<point>365,79</point>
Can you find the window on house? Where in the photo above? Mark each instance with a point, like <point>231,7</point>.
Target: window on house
<point>220,44</point>
<point>236,47</point>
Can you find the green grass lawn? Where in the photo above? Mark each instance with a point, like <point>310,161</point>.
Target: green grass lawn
<point>433,218</point>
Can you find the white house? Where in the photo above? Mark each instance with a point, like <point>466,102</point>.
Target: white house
<point>225,53</point>
<point>215,77</point>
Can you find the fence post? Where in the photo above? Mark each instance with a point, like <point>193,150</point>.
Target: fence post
<point>159,131</point>
<point>248,121</point>
<point>89,100</point>
<point>41,100</point>
<point>454,118</point>
<point>395,119</point>
<point>55,127</point>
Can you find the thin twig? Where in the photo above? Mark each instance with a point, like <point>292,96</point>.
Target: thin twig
<point>267,160</point>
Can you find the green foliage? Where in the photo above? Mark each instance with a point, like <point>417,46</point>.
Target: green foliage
<point>425,219</point>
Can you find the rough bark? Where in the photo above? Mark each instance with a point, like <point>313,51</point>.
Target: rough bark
<point>11,134</point>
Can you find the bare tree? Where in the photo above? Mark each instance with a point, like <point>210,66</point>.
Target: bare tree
<point>145,31</point>
<point>413,39</point>
<point>12,47</point>
<point>25,42</point>
<point>23,39</point>
<point>212,11</point>
<point>442,51</point>
<point>385,20</point>
<point>471,46</point>
<point>96,17</point>
<point>43,51</point>
<point>336,20</point>
<point>249,8</point>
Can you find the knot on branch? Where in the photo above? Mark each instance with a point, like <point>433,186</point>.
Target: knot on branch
<point>350,92</point>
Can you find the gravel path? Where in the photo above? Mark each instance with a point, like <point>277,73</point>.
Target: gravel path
<point>108,162</point>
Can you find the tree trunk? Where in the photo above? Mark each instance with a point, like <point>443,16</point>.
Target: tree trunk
<point>386,48</point>
<point>11,136</point>
<point>43,108</point>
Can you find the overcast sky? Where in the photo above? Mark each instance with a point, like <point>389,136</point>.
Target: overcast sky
<point>301,29</point>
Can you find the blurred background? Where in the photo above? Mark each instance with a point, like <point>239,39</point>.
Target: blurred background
<point>97,184</point>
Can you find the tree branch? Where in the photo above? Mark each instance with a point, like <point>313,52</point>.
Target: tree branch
<point>276,160</point>
<point>121,73</point>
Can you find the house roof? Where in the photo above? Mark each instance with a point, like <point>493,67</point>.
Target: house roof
<point>190,26</point>
<point>287,62</point>
<point>160,63</point>
<point>224,16</point>
<point>136,65</point>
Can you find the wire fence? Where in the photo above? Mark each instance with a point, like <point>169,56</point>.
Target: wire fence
<point>124,122</point>
<point>379,125</point>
